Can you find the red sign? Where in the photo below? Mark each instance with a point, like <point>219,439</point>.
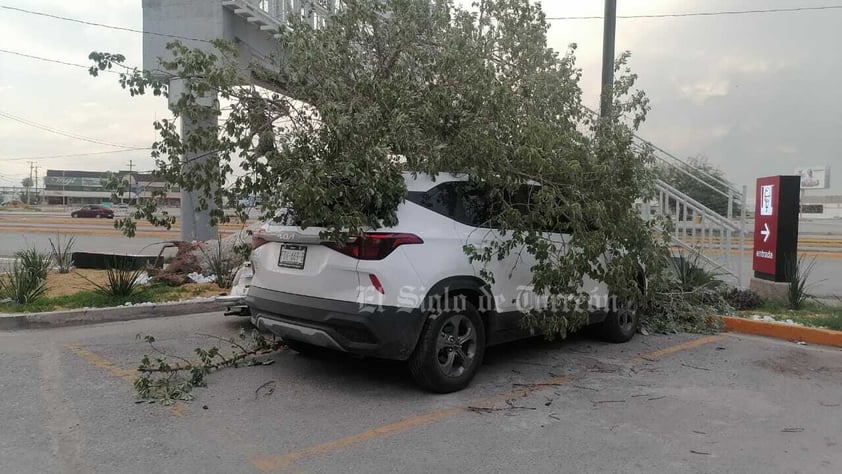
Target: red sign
<point>766,213</point>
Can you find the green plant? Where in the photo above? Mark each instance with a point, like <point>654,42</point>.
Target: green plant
<point>690,272</point>
<point>22,285</point>
<point>121,281</point>
<point>797,272</point>
<point>167,382</point>
<point>222,264</point>
<point>682,297</point>
<point>35,261</point>
<point>741,299</point>
<point>62,253</point>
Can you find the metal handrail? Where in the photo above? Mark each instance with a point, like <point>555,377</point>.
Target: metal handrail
<point>698,207</point>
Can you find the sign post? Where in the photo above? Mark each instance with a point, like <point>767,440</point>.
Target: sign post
<point>775,229</point>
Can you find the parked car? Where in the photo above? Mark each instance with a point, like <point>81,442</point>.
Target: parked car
<point>408,292</point>
<point>235,301</point>
<point>93,210</point>
<point>13,203</point>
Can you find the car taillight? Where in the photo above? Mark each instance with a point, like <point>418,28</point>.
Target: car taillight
<point>257,240</point>
<point>374,245</point>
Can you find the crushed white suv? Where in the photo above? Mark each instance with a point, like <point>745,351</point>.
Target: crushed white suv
<point>408,292</point>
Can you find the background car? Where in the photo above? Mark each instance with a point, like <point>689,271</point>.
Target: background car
<point>13,203</point>
<point>93,210</point>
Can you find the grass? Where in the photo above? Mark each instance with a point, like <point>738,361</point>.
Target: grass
<point>812,314</point>
<point>20,209</point>
<point>154,293</point>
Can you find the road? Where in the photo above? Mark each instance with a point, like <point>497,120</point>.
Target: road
<point>677,403</point>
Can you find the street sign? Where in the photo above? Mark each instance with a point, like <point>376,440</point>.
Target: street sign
<point>776,226</point>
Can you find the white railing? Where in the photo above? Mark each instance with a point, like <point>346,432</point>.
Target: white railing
<point>282,11</point>
<point>719,240</point>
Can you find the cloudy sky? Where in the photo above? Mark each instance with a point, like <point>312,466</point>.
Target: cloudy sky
<point>755,94</point>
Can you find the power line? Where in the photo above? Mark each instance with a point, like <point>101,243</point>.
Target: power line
<point>100,25</point>
<point>71,155</point>
<point>715,13</point>
<point>56,61</point>
<point>56,131</point>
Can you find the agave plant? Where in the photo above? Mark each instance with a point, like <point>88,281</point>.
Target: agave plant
<point>122,281</point>
<point>797,272</point>
<point>62,253</point>
<point>21,285</point>
<point>35,261</point>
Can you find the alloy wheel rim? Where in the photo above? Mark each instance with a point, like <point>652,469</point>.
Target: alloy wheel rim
<point>456,347</point>
<point>626,316</point>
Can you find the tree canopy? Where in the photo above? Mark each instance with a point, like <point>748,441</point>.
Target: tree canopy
<point>432,87</point>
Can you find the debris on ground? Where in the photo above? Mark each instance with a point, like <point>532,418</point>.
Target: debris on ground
<point>183,264</point>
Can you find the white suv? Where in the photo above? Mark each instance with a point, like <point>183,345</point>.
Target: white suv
<point>408,292</point>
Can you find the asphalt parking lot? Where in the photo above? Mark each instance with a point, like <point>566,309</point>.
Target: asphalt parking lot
<point>679,403</point>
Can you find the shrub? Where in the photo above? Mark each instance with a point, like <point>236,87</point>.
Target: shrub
<point>222,264</point>
<point>690,272</point>
<point>742,299</point>
<point>62,253</point>
<point>683,297</point>
<point>121,283</point>
<point>35,262</point>
<point>22,285</point>
<point>797,273</point>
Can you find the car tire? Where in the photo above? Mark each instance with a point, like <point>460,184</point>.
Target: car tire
<point>621,323</point>
<point>74,215</point>
<point>99,216</point>
<point>451,348</point>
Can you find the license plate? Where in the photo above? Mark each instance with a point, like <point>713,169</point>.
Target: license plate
<point>292,256</point>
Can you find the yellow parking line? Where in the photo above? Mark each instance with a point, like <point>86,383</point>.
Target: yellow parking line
<point>678,348</point>
<point>102,363</point>
<point>275,463</point>
<point>178,409</point>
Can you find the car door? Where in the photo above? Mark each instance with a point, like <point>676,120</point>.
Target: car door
<point>473,208</point>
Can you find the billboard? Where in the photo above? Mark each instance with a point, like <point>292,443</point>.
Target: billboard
<point>814,177</point>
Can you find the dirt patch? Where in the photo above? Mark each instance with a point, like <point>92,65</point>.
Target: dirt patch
<point>68,283</point>
<point>81,279</point>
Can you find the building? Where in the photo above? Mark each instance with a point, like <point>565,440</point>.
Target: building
<point>70,187</point>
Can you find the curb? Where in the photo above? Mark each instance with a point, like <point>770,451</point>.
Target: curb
<point>103,315</point>
<point>787,332</point>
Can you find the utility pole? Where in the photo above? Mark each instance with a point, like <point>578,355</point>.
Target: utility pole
<point>31,166</point>
<point>131,167</point>
<point>37,198</point>
<point>608,39</point>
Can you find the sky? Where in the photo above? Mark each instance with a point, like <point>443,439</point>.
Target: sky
<point>756,95</point>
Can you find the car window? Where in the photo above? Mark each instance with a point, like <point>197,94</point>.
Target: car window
<point>463,201</point>
<point>477,205</point>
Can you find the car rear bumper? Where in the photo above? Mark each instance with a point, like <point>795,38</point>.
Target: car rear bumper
<point>379,331</point>
<point>235,305</point>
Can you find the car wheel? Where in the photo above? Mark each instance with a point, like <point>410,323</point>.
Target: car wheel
<point>621,323</point>
<point>99,216</point>
<point>73,215</point>
<point>451,348</point>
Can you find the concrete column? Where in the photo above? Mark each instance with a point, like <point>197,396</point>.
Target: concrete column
<point>195,224</point>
